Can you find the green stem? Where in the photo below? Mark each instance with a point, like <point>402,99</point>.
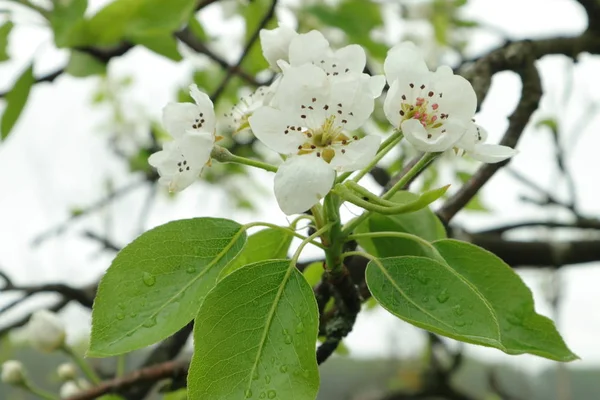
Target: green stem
<point>121,365</point>
<point>82,364</point>
<point>385,148</point>
<point>223,155</point>
<point>422,163</point>
<point>42,394</point>
<point>282,228</point>
<point>334,249</point>
<point>308,240</point>
<point>402,235</point>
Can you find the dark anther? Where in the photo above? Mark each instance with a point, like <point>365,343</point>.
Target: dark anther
<point>430,94</point>
<point>422,87</point>
<point>412,85</point>
<point>401,112</point>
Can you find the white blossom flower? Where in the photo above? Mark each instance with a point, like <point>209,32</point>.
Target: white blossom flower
<point>66,371</point>
<point>275,45</point>
<point>13,372</point>
<point>473,143</point>
<point>46,331</point>
<point>193,129</point>
<point>433,109</point>
<point>310,125</point>
<point>239,114</point>
<point>69,389</point>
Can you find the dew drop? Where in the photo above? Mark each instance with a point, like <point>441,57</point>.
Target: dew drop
<point>150,323</point>
<point>425,299</point>
<point>300,328</point>
<point>121,306</point>
<point>459,323</point>
<point>287,339</point>
<point>130,333</point>
<point>149,279</point>
<point>248,393</point>
<point>443,296</point>
<point>286,332</point>
<point>458,310</point>
<point>133,314</point>
<point>271,394</point>
<point>421,277</point>
<point>255,375</point>
<point>191,269</point>
<point>283,368</point>
<point>273,360</point>
<point>120,316</point>
<point>262,395</point>
<point>267,379</point>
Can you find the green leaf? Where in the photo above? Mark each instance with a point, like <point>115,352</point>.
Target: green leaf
<point>266,244</point>
<point>253,14</point>
<point>313,273</point>
<point>162,43</point>
<point>82,65</point>
<point>423,223</point>
<point>5,30</point>
<point>16,98</point>
<point>473,297</point>
<point>156,284</point>
<point>68,23</point>
<point>255,337</point>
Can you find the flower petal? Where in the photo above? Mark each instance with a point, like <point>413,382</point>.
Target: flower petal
<point>402,59</point>
<point>272,127</point>
<point>275,44</point>
<point>179,117</point>
<point>302,95</point>
<point>377,83</point>
<point>459,99</point>
<point>351,100</point>
<point>206,109</point>
<point>182,160</point>
<point>391,105</point>
<point>491,153</point>
<point>357,154</point>
<point>351,58</point>
<point>433,140</point>
<point>301,181</point>
<point>308,47</point>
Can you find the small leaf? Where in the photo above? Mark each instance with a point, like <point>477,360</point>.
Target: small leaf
<point>156,284</point>
<point>83,64</point>
<point>16,98</point>
<point>68,23</point>
<point>255,337</point>
<point>473,297</point>
<point>5,30</point>
<point>266,244</point>
<point>423,223</point>
<point>313,273</point>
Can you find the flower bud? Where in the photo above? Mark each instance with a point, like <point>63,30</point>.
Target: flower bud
<point>69,389</point>
<point>66,372</point>
<point>46,331</point>
<point>13,372</point>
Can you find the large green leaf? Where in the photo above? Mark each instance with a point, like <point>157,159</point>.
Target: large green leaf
<point>16,98</point>
<point>254,13</point>
<point>423,223</point>
<point>255,337</point>
<point>164,44</point>
<point>266,244</point>
<point>67,22</point>
<point>473,297</point>
<point>5,30</point>
<point>156,284</point>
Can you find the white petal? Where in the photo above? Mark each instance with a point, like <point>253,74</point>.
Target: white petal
<point>404,58</point>
<point>491,153</point>
<point>357,154</point>
<point>302,94</point>
<point>270,125</point>
<point>275,44</point>
<point>182,160</point>
<point>206,109</point>
<point>301,181</point>
<point>308,47</point>
<point>459,99</point>
<point>351,57</point>
<point>377,83</point>
<point>475,134</point>
<point>179,117</point>
<point>391,105</point>
<point>417,135</point>
<point>351,100</point>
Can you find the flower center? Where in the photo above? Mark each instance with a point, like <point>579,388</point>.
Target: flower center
<point>420,103</point>
<point>325,140</point>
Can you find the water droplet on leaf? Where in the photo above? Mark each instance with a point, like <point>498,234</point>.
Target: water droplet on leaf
<point>191,269</point>
<point>287,339</point>
<point>421,277</point>
<point>459,323</point>
<point>248,393</point>
<point>120,316</point>
<point>133,314</point>
<point>267,379</point>
<point>458,310</point>
<point>271,394</point>
<point>443,296</point>
<point>255,375</point>
<point>262,395</point>
<point>425,299</point>
<point>149,279</point>
<point>300,328</point>
<point>283,368</point>
<point>150,323</point>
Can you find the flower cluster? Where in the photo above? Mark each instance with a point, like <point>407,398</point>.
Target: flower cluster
<point>310,114</point>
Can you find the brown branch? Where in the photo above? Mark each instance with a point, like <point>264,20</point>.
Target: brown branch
<point>169,369</point>
<point>255,35</point>
<point>84,296</point>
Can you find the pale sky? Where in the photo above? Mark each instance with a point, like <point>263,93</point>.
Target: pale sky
<point>58,157</point>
